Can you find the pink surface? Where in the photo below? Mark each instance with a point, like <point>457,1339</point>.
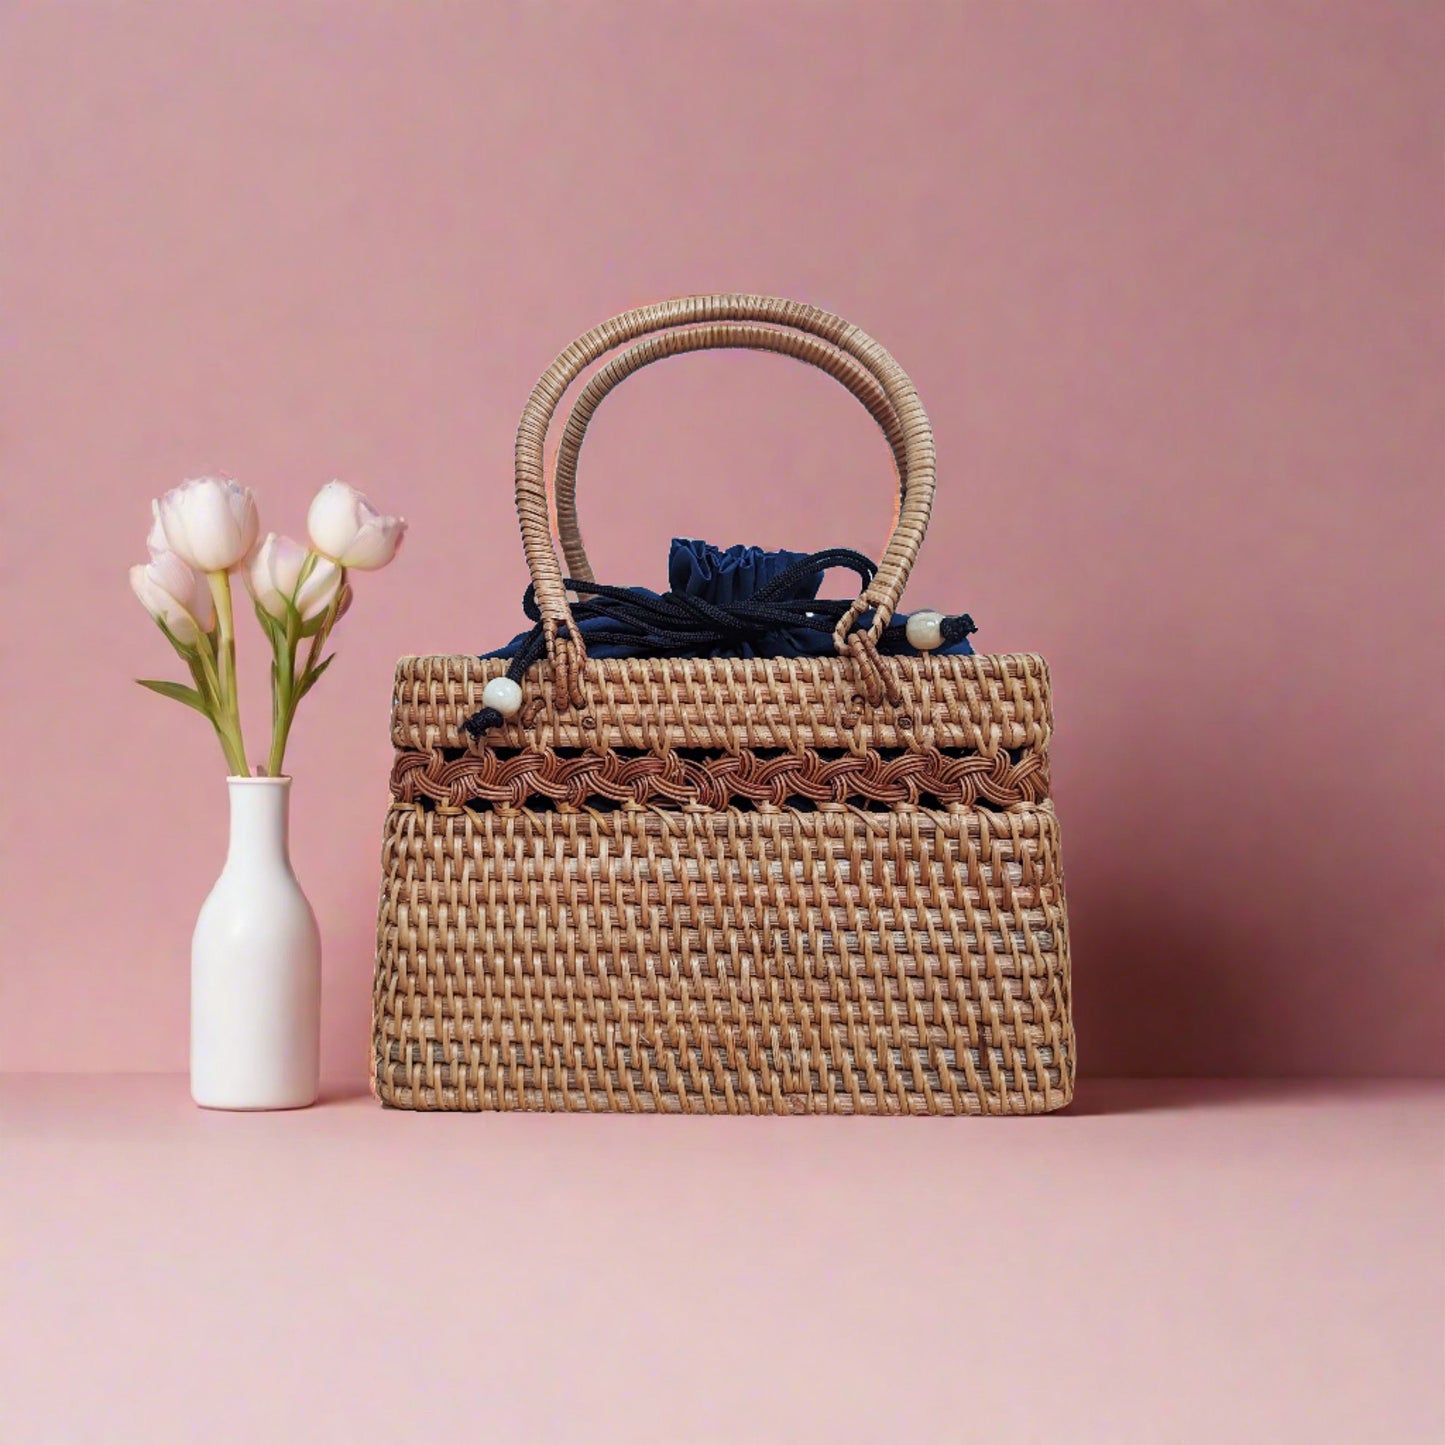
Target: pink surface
<point>1167,277</point>
<point>1167,1263</point>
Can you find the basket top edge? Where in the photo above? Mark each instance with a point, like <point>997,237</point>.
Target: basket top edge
<point>985,662</point>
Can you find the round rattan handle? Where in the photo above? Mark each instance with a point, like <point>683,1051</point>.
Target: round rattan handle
<point>722,335</point>
<point>881,594</point>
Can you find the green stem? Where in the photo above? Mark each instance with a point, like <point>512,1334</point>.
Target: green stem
<point>199,657</point>
<point>283,696</point>
<point>206,664</point>
<point>203,673</point>
<point>230,706</point>
<point>287,684</point>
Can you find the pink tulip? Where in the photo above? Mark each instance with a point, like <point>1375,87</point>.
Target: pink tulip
<point>209,523</point>
<point>176,596</point>
<point>345,527</point>
<point>275,578</point>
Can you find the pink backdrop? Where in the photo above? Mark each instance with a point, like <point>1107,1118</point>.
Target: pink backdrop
<point>1167,277</point>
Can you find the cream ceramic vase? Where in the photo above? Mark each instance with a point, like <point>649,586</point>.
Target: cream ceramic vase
<point>256,967</point>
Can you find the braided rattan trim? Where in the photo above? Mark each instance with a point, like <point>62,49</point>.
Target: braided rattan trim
<point>725,779</point>
<point>983,704</point>
<point>908,961</point>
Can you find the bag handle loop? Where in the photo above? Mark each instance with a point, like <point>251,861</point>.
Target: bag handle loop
<point>566,648</point>
<point>722,335</point>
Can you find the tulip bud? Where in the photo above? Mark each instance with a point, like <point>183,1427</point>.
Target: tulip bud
<point>210,523</point>
<point>347,528</point>
<point>278,578</point>
<point>175,596</point>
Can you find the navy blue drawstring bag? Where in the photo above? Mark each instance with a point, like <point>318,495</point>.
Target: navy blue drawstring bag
<point>727,580</point>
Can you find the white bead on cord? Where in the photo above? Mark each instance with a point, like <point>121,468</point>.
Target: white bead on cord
<point>502,695</point>
<point>925,630</point>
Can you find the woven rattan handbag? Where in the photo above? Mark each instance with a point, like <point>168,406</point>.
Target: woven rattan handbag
<point>723,885</point>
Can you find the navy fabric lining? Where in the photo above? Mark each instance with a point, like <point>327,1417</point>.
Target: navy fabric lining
<point>725,577</point>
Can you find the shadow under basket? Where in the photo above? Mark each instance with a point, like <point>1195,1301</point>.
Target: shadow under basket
<point>717,885</point>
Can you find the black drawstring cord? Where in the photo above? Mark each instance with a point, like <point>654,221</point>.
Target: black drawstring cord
<point>678,625</point>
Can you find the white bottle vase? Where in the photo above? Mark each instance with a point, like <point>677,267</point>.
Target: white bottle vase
<point>256,967</point>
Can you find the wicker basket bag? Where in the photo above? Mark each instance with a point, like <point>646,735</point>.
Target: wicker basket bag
<point>724,885</point>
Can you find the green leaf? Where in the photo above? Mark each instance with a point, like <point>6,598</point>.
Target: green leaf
<point>312,677</point>
<point>274,630</point>
<point>177,690</point>
<point>187,651</point>
<point>198,676</point>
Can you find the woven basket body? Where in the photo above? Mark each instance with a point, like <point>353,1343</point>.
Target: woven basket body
<point>802,885</point>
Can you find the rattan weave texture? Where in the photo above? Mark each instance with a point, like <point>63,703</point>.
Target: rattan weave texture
<point>908,961</point>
